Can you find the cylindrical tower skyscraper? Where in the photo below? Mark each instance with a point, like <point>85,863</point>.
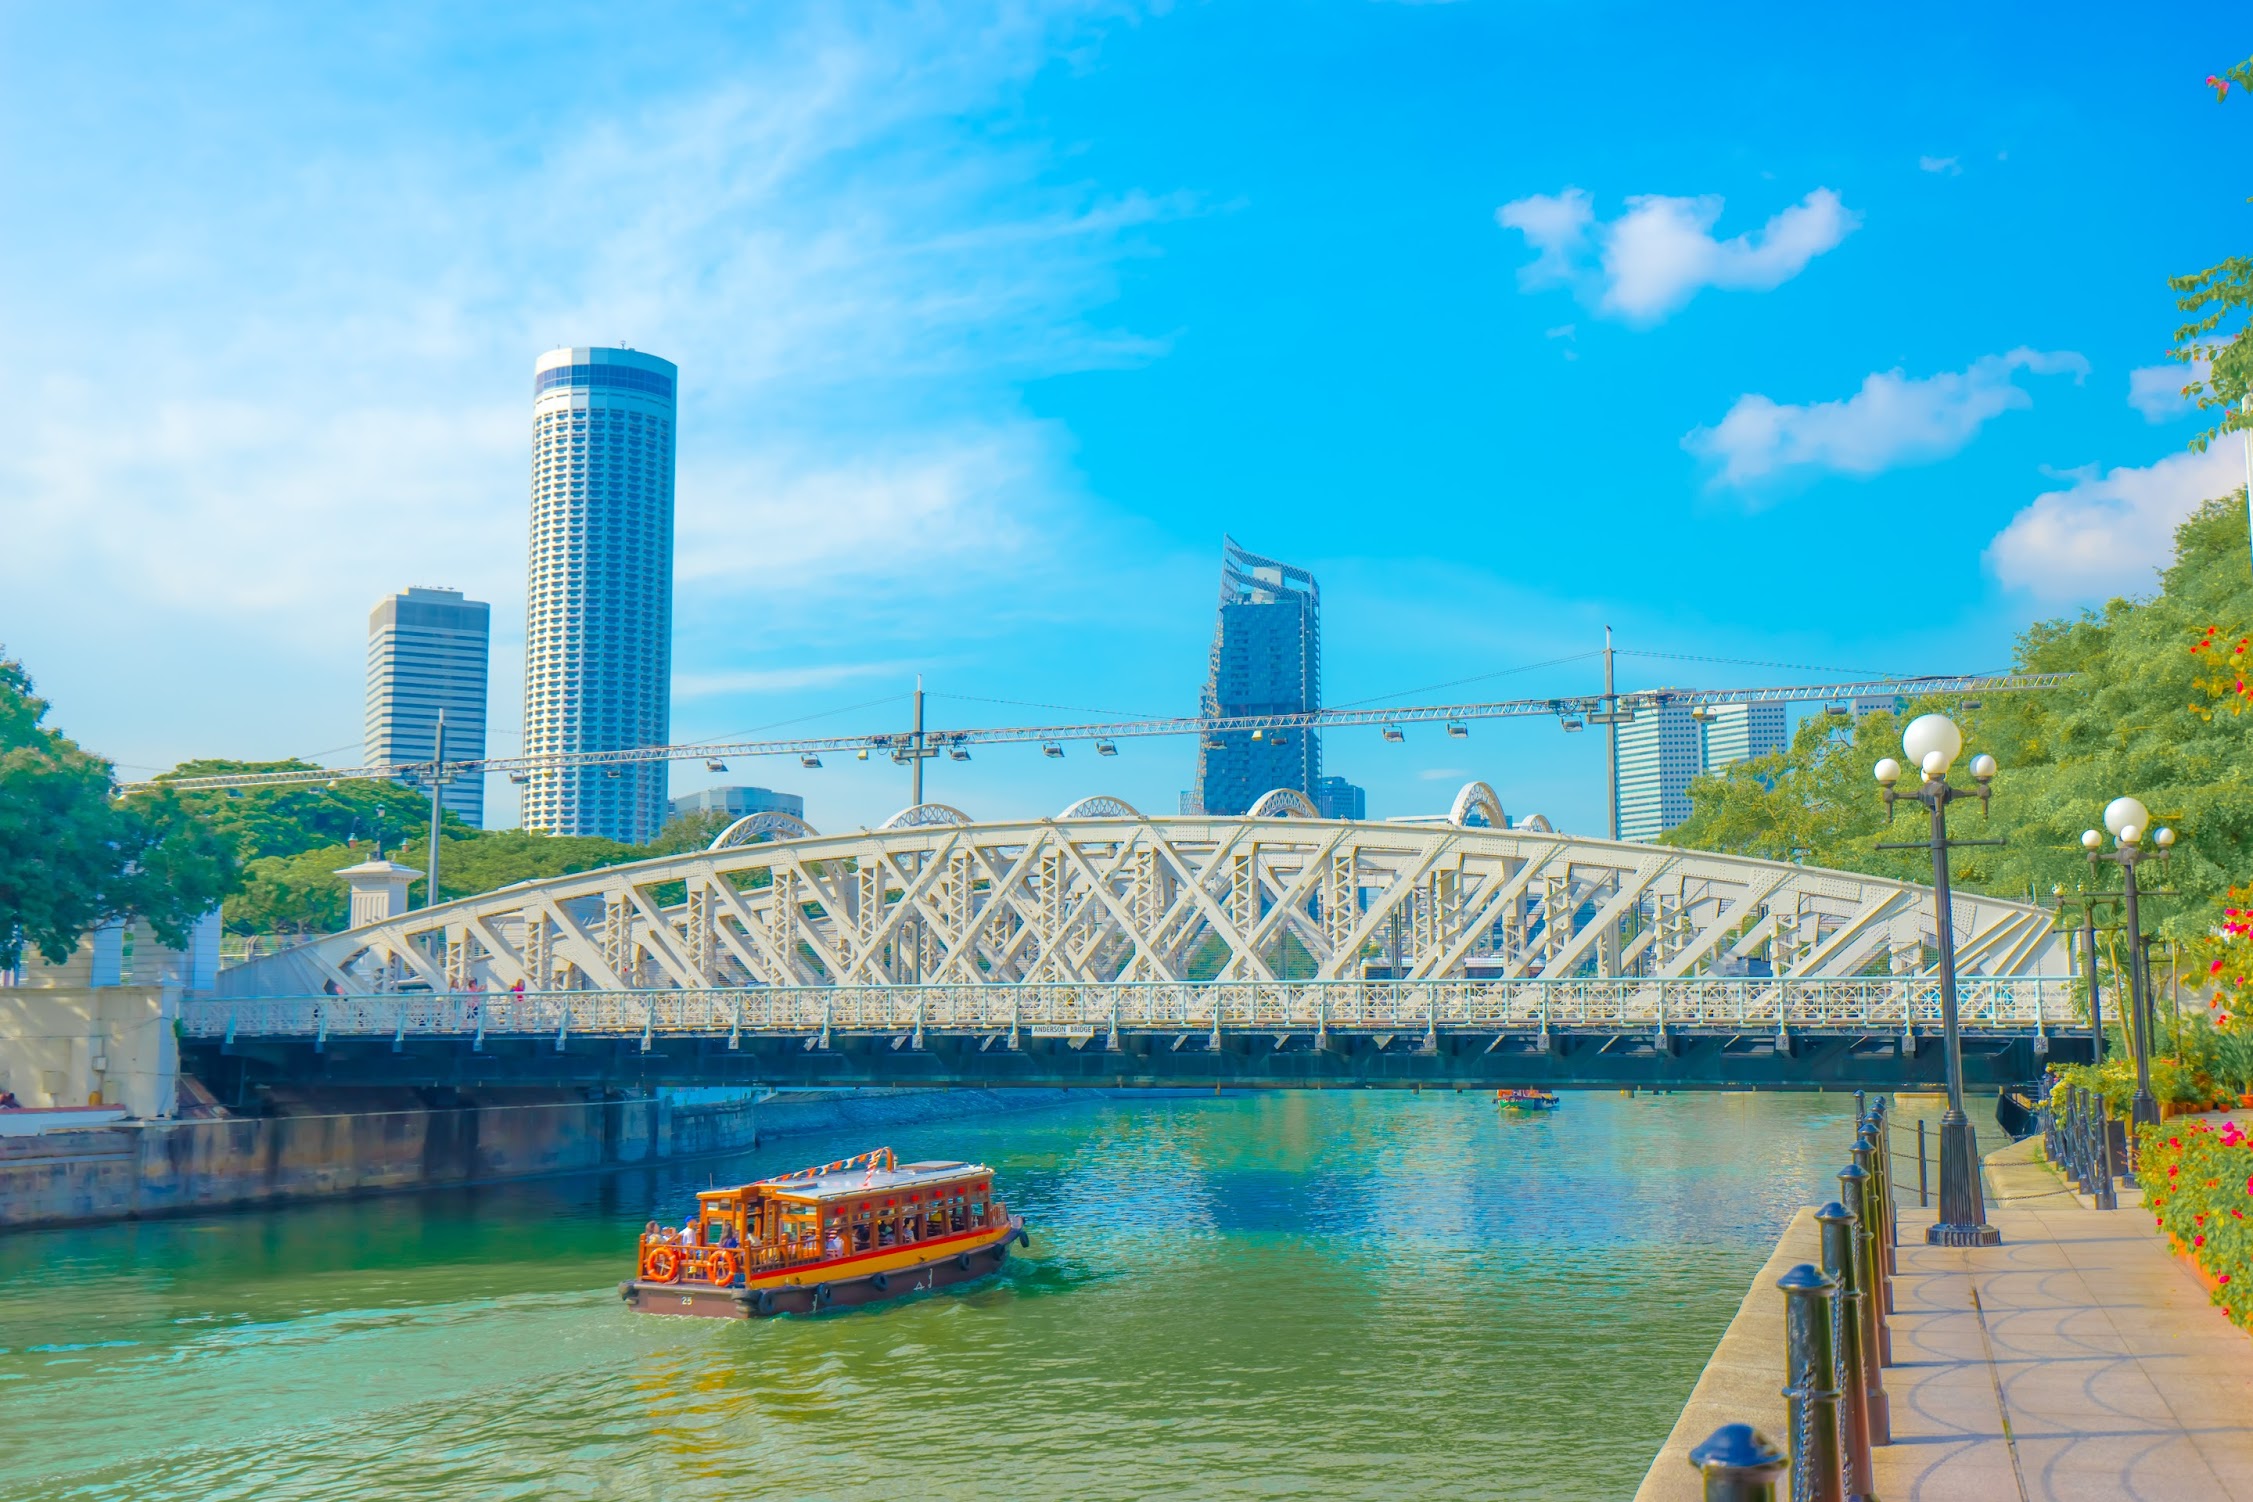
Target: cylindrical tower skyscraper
<point>598,635</point>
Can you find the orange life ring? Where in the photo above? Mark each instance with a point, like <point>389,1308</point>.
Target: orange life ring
<point>719,1268</point>
<point>664,1264</point>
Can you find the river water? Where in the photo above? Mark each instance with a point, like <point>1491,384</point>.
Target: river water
<point>1315,1295</point>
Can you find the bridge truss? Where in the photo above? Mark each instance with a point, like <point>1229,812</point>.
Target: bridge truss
<point>1106,897</point>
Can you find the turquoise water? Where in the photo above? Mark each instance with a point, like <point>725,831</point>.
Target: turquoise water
<point>1307,1295</point>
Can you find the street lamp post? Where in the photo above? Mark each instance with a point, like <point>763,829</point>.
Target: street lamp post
<point>1932,743</point>
<point>2128,820</point>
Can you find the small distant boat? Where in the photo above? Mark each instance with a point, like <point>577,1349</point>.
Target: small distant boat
<point>851,1232</point>
<point>1526,1100</point>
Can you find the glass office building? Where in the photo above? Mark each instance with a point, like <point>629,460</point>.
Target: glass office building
<point>1266,659</point>
<point>428,651</point>
<point>598,636</point>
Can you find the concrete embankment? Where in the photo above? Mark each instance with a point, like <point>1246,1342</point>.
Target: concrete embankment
<point>146,1168</point>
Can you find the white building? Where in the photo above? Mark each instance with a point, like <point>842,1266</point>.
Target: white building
<point>1661,750</point>
<point>1739,732</point>
<point>598,640</point>
<point>427,651</point>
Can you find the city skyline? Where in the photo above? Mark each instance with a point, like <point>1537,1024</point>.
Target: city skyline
<point>990,433</point>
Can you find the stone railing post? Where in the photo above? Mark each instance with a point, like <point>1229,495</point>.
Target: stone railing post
<point>1839,1232</point>
<point>1809,1298</point>
<point>1739,1464</point>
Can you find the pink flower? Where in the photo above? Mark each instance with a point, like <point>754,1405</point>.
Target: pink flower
<point>2198,1241</point>
<point>2223,1278</point>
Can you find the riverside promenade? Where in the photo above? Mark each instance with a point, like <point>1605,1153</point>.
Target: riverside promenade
<point>2079,1359</point>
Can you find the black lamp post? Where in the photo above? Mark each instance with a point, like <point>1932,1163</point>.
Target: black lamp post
<point>2128,820</point>
<point>1932,743</point>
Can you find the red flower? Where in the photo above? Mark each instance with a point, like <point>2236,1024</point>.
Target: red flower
<point>2223,1278</point>
<point>2198,1240</point>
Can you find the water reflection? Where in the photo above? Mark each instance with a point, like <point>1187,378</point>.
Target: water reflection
<point>1322,1294</point>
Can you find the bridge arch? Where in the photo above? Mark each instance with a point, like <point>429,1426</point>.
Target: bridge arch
<point>749,829</point>
<point>1282,803</point>
<point>925,815</point>
<point>1478,802</point>
<point>1101,806</point>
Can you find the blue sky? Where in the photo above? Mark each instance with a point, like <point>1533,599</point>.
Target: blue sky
<point>1763,335</point>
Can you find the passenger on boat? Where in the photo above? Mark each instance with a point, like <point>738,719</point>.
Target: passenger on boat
<point>836,1245</point>
<point>729,1240</point>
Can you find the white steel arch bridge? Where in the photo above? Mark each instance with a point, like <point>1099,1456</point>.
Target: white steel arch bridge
<point>1104,930</point>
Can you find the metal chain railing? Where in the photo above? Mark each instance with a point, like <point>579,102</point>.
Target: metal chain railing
<point>1836,1339</point>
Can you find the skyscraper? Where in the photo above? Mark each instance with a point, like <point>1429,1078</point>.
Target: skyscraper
<point>1740,732</point>
<point>1266,659</point>
<point>1660,750</point>
<point>1340,799</point>
<point>598,636</point>
<point>427,651</point>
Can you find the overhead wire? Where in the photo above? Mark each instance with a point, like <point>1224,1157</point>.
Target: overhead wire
<point>1474,678</point>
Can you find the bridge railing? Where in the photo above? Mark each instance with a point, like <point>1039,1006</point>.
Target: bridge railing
<point>2014,1004</point>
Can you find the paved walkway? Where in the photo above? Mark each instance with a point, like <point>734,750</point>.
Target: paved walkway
<point>2079,1359</point>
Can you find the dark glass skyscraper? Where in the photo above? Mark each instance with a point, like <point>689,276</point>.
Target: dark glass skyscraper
<point>1266,659</point>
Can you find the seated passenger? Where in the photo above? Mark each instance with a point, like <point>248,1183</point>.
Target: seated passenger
<point>729,1240</point>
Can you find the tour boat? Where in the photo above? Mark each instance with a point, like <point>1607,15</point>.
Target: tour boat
<point>1526,1100</point>
<point>850,1232</point>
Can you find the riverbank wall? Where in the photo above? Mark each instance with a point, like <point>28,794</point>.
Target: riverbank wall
<point>139,1169</point>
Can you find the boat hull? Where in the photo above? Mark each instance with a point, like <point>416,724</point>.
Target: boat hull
<point>812,1290</point>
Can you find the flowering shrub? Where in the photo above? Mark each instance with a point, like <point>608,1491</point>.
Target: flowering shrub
<point>2221,672</point>
<point>2228,952</point>
<point>2198,1184</point>
<point>2115,1080</point>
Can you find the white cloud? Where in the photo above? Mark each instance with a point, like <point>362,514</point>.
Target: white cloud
<point>1893,420</point>
<point>2157,390</point>
<point>1947,166</point>
<point>1660,252</point>
<point>2108,532</point>
<point>271,374</point>
<point>1556,227</point>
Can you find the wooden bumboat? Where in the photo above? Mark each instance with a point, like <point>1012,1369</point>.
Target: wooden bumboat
<point>851,1232</point>
<point>1526,1100</point>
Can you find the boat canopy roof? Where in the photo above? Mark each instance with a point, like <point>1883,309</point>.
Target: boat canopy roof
<point>859,1183</point>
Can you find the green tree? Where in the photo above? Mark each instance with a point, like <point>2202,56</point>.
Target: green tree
<point>2219,303</point>
<point>295,894</point>
<point>295,818</point>
<point>2136,720</point>
<point>73,855</point>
